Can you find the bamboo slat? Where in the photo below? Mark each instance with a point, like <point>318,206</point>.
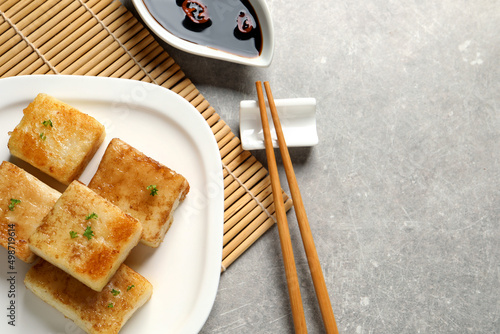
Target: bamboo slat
<point>102,38</point>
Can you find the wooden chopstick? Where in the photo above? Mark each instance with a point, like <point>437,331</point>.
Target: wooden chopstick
<point>299,319</point>
<point>305,230</point>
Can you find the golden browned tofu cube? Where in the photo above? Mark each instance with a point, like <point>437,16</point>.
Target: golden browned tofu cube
<point>86,236</point>
<point>56,138</point>
<point>140,186</point>
<point>103,312</point>
<point>24,201</point>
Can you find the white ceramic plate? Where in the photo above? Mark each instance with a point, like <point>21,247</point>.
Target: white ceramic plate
<point>185,269</point>
<point>263,14</point>
<point>297,118</point>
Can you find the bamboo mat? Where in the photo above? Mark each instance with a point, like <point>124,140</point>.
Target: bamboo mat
<point>103,38</point>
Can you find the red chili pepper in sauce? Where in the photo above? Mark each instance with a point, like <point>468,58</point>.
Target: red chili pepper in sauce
<point>196,11</point>
<point>245,24</point>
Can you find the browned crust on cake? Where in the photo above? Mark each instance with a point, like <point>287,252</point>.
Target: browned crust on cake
<point>68,145</point>
<point>123,177</point>
<point>91,310</point>
<point>19,223</point>
<point>93,261</point>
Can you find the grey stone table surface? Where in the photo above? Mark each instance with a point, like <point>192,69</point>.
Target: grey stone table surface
<point>402,191</point>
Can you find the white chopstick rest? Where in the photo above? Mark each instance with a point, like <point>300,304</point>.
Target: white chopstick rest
<point>298,120</point>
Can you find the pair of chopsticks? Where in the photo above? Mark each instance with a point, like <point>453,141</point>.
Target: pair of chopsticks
<point>284,233</point>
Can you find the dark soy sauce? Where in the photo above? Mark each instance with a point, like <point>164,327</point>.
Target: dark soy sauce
<point>227,25</point>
